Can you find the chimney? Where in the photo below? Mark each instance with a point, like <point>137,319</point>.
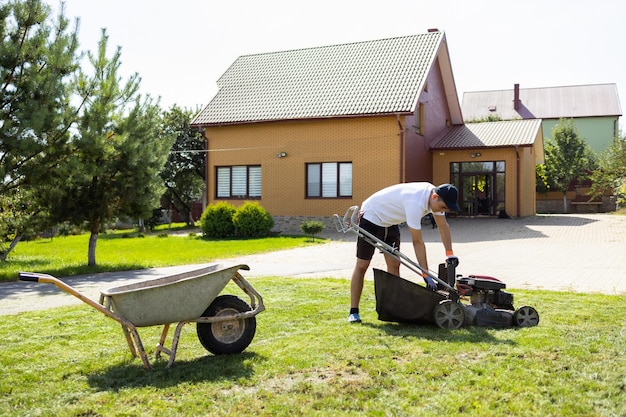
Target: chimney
<point>516,97</point>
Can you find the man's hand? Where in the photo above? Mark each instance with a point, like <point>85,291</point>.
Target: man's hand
<point>430,283</point>
<point>452,260</point>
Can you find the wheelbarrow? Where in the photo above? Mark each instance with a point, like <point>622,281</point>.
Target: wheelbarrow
<point>225,324</point>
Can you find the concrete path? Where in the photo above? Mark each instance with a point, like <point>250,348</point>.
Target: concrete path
<point>573,252</point>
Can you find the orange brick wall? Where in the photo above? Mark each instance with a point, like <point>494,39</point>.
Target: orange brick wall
<point>528,182</point>
<point>371,144</point>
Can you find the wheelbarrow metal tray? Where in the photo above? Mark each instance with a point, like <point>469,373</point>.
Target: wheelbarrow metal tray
<point>402,301</point>
<point>170,299</point>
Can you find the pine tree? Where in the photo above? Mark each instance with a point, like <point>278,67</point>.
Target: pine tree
<point>38,57</point>
<point>120,147</point>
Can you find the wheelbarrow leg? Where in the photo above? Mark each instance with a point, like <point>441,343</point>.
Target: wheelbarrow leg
<point>135,345</point>
<point>160,347</point>
<point>129,340</point>
<point>171,353</point>
<point>179,328</point>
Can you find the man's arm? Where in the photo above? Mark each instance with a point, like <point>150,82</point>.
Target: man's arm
<point>444,231</point>
<point>419,247</point>
<point>422,260</point>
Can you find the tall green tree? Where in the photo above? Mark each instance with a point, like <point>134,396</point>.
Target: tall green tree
<point>184,171</point>
<point>567,158</point>
<point>38,57</point>
<point>120,146</point>
<point>612,172</point>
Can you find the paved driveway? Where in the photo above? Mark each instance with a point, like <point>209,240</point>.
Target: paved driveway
<point>574,252</point>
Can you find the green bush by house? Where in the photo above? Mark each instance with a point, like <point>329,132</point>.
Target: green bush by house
<point>222,220</point>
<point>312,227</point>
<point>252,220</point>
<point>217,220</point>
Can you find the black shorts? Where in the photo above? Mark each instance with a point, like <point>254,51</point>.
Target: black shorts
<point>390,235</point>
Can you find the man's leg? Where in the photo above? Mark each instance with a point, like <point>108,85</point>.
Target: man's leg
<point>393,239</point>
<point>356,283</point>
<point>364,254</point>
<point>393,265</point>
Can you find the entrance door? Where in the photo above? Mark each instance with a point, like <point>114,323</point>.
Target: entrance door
<point>477,194</point>
<point>481,186</point>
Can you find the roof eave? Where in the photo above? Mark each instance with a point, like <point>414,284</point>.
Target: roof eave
<point>464,148</point>
<point>344,116</point>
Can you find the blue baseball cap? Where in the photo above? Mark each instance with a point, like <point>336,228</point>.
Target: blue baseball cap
<point>450,195</point>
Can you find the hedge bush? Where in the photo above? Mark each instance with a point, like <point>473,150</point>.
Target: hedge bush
<point>252,220</point>
<point>221,220</point>
<point>217,220</point>
<point>312,227</point>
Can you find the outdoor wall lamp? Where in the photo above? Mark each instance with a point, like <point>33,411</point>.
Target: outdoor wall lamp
<point>474,155</point>
<point>281,154</point>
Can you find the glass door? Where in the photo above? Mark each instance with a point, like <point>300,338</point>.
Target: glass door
<point>481,187</point>
<point>477,194</point>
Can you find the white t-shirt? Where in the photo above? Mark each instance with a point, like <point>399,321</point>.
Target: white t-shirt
<point>398,204</point>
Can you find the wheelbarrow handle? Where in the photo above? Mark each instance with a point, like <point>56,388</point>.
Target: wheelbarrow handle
<point>34,277</point>
<point>49,279</point>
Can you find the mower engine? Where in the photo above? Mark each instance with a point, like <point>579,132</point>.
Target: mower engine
<point>490,305</point>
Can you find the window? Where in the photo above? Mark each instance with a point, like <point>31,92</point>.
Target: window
<point>242,181</point>
<point>419,120</point>
<point>329,180</point>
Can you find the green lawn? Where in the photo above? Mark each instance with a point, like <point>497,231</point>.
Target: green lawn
<point>306,360</point>
<point>121,251</point>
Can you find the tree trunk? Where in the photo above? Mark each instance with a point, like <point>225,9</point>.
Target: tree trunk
<point>14,242</point>
<point>93,239</point>
<point>565,202</point>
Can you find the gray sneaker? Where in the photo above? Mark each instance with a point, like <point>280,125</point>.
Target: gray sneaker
<point>354,318</point>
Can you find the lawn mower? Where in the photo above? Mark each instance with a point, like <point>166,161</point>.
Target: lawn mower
<point>474,300</point>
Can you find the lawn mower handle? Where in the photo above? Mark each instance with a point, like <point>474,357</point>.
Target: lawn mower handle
<point>349,221</point>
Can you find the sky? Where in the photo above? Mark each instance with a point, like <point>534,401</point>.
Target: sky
<point>181,48</point>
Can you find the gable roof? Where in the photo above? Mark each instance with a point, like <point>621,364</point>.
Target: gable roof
<point>364,78</point>
<point>490,134</point>
<point>544,103</point>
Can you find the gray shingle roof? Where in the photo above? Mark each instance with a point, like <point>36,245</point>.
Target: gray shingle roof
<point>374,77</point>
<point>490,134</point>
<point>544,103</point>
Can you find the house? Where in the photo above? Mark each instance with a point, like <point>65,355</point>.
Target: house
<point>311,132</point>
<point>594,108</point>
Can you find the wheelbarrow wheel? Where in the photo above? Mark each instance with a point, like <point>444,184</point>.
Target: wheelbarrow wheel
<point>449,314</point>
<point>526,317</point>
<point>229,336</point>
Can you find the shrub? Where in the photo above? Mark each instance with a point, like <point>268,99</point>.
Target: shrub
<point>311,228</point>
<point>252,220</point>
<point>217,220</point>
